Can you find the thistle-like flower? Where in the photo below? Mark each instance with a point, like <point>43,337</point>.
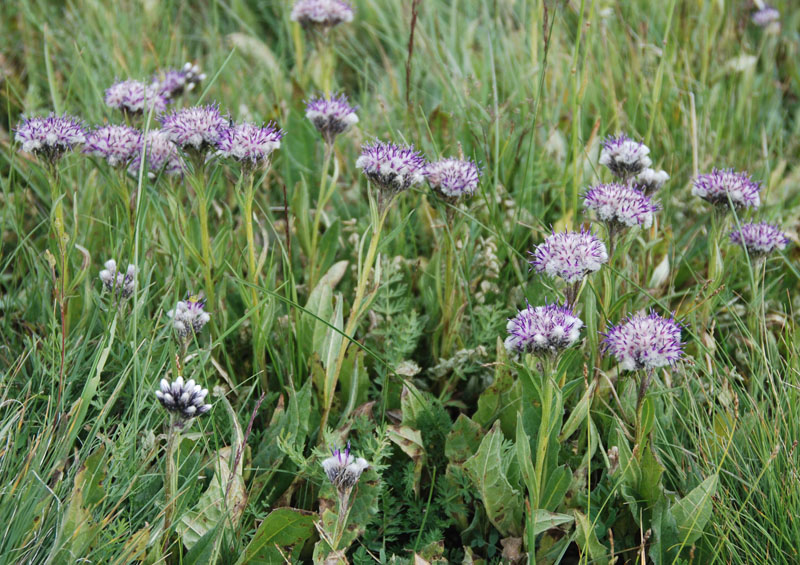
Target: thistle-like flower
<point>620,205</point>
<point>323,14</point>
<point>189,316</point>
<point>185,399</point>
<point>49,138</point>
<point>650,181</point>
<point>543,330</point>
<point>161,155</point>
<point>570,255</point>
<point>331,116</point>
<point>760,239</point>
<point>250,144</point>
<point>766,16</point>
<point>721,187</point>
<point>624,157</point>
<point>392,168</point>
<point>135,97</point>
<point>197,129</point>
<point>644,342</point>
<point>344,470</point>
<point>173,82</point>
<point>116,282</point>
<point>116,144</point>
<point>453,178</point>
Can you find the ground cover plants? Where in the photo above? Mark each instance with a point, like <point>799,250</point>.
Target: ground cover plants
<point>399,282</point>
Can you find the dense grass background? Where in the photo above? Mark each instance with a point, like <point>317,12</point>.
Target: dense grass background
<point>526,88</point>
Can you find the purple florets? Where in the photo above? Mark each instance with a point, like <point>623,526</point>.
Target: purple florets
<point>198,128</point>
<point>766,16</point>
<point>118,282</point>
<point>186,399</point>
<point>719,186</point>
<point>570,255</point>
<point>49,138</point>
<point>162,155</point>
<point>620,205</point>
<point>116,144</point>
<point>651,181</point>
<point>134,97</point>
<point>393,168</point>
<point>543,330</point>
<point>172,82</point>
<point>189,316</point>
<point>331,116</point>
<point>644,342</point>
<point>343,470</point>
<point>760,239</point>
<point>624,157</point>
<point>249,143</point>
<point>453,178</point>
<point>321,13</point>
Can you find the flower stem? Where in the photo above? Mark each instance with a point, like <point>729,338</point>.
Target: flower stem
<point>323,196</point>
<point>170,477</point>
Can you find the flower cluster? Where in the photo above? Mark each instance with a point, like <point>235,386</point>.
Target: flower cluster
<point>173,82</point>
<point>49,138</point>
<point>766,16</point>
<point>453,178</point>
<point>116,144</point>
<point>189,316</point>
<point>570,255</point>
<point>135,97</point>
<point>624,157</point>
<point>650,181</point>
<point>721,187</point>
<point>186,399</point>
<point>645,342</point>
<point>117,282</point>
<point>620,205</point>
<point>249,143</point>
<point>392,168</point>
<point>198,128</point>
<point>331,116</point>
<point>161,155</point>
<point>540,330</point>
<point>760,239</point>
<point>323,14</point>
<point>344,470</point>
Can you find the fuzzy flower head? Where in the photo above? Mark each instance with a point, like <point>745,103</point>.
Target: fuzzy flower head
<point>161,155</point>
<point>542,330</point>
<point>453,178</point>
<point>650,181</point>
<point>49,138</point>
<point>249,143</point>
<point>392,168</point>
<point>720,186</point>
<point>116,144</point>
<point>331,116</point>
<point>174,82</point>
<point>645,342</point>
<point>197,129</point>
<point>185,399</point>
<point>323,14</point>
<point>135,97</point>
<point>620,205</point>
<point>760,239</point>
<point>189,316</point>
<point>117,282</point>
<point>766,17</point>
<point>344,470</point>
<point>624,157</point>
<point>570,255</point>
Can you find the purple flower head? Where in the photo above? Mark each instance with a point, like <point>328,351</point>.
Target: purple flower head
<point>331,116</point>
<point>644,342</point>
<point>760,239</point>
<point>249,143</point>
<point>174,82</point>
<point>116,282</point>
<point>620,205</point>
<point>162,155</point>
<point>189,316</point>
<point>570,255</point>
<point>116,144</point>
<point>543,330</point>
<point>392,168</point>
<point>650,181</point>
<point>321,13</point>
<point>135,97</point>
<point>186,399</point>
<point>766,16</point>
<point>343,470</point>
<point>49,138</point>
<point>453,178</point>
<point>718,186</point>
<point>197,129</point>
<point>624,157</point>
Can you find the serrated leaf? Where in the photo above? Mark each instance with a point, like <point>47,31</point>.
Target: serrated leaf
<point>693,511</point>
<point>283,527</point>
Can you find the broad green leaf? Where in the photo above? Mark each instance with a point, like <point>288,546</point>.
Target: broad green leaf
<point>331,346</point>
<point>501,399</point>
<point>586,539</point>
<point>544,520</point>
<point>522,445</point>
<point>650,484</point>
<point>282,527</point>
<point>555,488</point>
<point>692,512</point>
<point>664,543</point>
<point>410,442</point>
<point>463,440</point>
<point>320,303</point>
